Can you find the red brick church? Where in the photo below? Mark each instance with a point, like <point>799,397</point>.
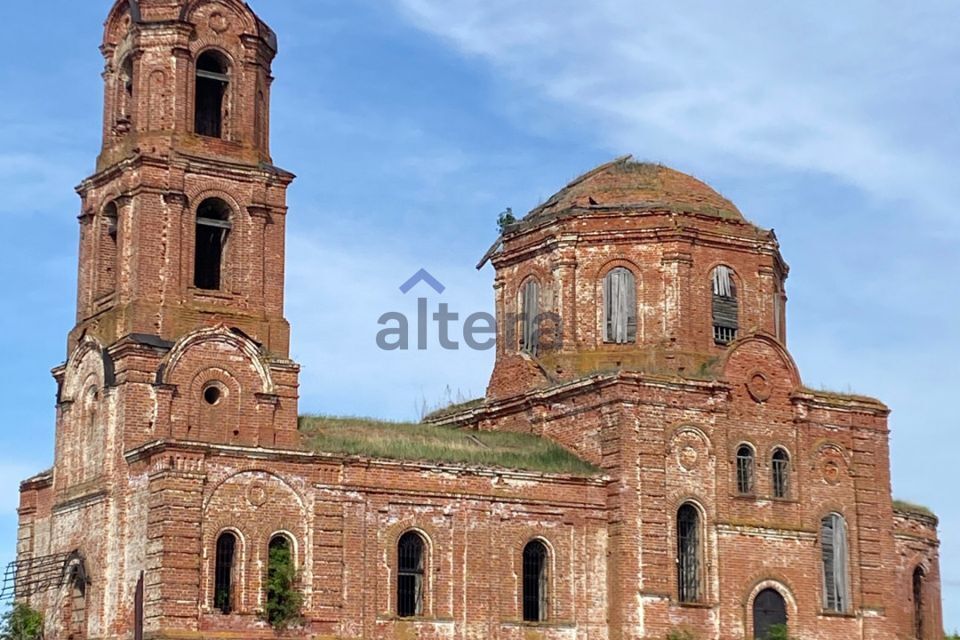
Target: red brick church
<point>647,463</point>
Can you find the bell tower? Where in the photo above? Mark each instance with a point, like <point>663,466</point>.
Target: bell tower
<point>183,223</point>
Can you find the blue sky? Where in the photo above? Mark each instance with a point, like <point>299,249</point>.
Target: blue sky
<point>412,123</point>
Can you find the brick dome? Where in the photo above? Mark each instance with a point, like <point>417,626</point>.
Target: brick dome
<point>628,185</point>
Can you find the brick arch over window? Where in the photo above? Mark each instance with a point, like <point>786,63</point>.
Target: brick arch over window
<point>82,431</point>
<point>123,14</point>
<point>766,584</point>
<point>741,360</point>
<point>257,505</point>
<point>222,383</point>
<point>228,339</point>
<point>88,358</point>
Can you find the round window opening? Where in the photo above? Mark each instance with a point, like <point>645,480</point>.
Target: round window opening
<point>212,395</point>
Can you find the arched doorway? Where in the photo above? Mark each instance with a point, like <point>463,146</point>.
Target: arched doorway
<point>769,610</point>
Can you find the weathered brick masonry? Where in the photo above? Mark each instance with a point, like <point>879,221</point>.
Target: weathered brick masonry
<point>727,497</point>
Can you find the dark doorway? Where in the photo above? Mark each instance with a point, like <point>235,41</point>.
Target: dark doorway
<point>769,610</point>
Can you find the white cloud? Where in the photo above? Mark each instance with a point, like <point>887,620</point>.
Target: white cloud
<point>811,87</point>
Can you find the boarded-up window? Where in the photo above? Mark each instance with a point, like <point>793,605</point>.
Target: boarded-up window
<point>745,470</point>
<point>125,106</point>
<point>530,317</point>
<point>781,474</point>
<point>211,92</point>
<point>410,575</point>
<point>779,313</point>
<point>688,554</point>
<point>107,254</point>
<point>726,320</point>
<point>535,582</point>
<point>213,230</point>
<point>833,546</point>
<point>223,595</point>
<point>918,604</point>
<point>620,307</point>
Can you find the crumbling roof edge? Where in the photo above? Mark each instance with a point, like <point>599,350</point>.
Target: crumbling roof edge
<point>302,455</point>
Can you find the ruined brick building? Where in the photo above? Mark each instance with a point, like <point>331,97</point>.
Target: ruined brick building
<point>641,333</point>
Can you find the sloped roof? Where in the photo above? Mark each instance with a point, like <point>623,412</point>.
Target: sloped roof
<point>628,185</point>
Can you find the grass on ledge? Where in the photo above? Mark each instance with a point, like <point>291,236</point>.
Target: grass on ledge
<point>911,507</point>
<point>427,443</point>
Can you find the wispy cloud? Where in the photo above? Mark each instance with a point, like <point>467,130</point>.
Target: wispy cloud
<point>800,87</point>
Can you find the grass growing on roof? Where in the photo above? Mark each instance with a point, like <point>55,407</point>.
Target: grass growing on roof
<point>428,443</point>
<point>912,507</point>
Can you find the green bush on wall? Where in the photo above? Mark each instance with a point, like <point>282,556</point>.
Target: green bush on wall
<point>21,623</point>
<point>283,599</point>
<point>778,632</point>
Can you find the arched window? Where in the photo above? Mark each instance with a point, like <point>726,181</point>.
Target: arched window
<point>688,554</point>
<point>75,575</point>
<point>223,595</point>
<point>107,254</point>
<point>282,603</point>
<point>779,311</point>
<point>620,307</point>
<point>781,473</point>
<point>212,82</point>
<point>918,604</point>
<point>93,438</point>
<point>125,90</point>
<point>745,470</point>
<point>410,575</point>
<point>535,592</point>
<point>213,229</point>
<point>769,612</point>
<point>726,312</point>
<point>833,547</point>
<point>530,317</point>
